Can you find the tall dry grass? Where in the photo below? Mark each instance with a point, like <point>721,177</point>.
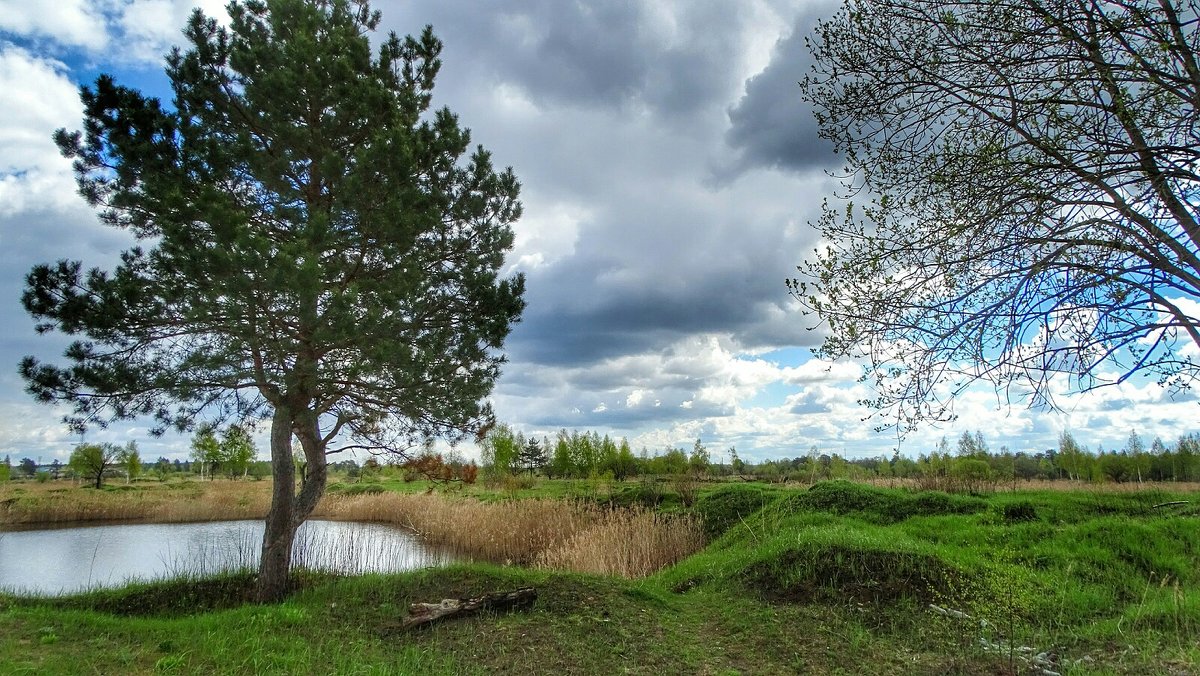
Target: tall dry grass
<point>512,531</point>
<point>30,504</point>
<point>547,533</point>
<point>630,542</point>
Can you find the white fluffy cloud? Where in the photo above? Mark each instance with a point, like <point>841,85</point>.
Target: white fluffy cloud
<point>115,31</point>
<point>71,23</point>
<point>38,98</point>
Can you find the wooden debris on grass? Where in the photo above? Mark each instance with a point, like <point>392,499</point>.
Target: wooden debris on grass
<point>421,614</point>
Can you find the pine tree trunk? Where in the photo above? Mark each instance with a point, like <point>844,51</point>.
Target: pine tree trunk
<point>289,508</point>
<point>281,522</point>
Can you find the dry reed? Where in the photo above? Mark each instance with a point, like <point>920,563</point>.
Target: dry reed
<point>509,532</point>
<point>629,543</point>
<point>165,503</point>
<point>547,533</point>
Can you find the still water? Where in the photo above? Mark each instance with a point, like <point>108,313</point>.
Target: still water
<point>65,560</point>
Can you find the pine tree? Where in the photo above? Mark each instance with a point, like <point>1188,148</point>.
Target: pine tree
<point>319,249</point>
<point>532,456</point>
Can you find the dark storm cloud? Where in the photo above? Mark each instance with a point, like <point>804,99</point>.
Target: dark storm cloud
<point>588,308</point>
<point>602,54</point>
<point>628,321</point>
<point>660,257</point>
<point>772,126</point>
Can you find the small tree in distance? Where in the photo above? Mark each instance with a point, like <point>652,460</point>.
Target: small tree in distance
<point>91,461</point>
<point>131,460</point>
<point>206,450</point>
<point>500,449</point>
<point>532,456</point>
<point>237,450</point>
<point>698,461</point>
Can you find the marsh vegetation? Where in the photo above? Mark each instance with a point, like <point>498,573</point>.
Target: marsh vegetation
<point>793,578</point>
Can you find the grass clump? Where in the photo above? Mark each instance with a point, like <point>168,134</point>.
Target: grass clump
<point>628,543</point>
<point>1016,512</point>
<point>172,597</point>
<point>350,490</point>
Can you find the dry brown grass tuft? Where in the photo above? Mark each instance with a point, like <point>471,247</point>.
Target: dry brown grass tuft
<point>629,543</point>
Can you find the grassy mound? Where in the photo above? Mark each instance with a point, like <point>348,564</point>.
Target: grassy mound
<point>730,505</point>
<point>878,505</point>
<point>161,598</point>
<point>837,572</point>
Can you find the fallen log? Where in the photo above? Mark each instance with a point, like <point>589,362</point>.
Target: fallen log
<point>420,614</point>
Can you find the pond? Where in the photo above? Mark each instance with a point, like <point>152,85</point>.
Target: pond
<point>66,560</point>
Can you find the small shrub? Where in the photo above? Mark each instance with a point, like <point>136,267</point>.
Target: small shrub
<point>936,503</point>
<point>470,472</point>
<point>972,475</point>
<point>513,483</point>
<point>647,493</point>
<point>685,486</point>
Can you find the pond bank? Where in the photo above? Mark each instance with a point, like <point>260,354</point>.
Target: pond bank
<point>542,532</point>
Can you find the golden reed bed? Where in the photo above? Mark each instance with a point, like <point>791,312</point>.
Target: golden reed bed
<point>545,533</point>
<point>173,502</point>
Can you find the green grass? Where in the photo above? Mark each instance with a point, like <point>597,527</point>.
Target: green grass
<point>837,579</point>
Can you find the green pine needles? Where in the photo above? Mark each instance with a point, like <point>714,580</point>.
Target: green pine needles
<point>319,247</point>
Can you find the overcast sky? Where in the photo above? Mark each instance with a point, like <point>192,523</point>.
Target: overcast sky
<point>669,173</point>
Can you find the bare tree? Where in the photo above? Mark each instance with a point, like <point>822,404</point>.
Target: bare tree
<point>1029,170</point>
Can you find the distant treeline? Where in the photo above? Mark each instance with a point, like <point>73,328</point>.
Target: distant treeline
<point>587,454</point>
<point>971,461</point>
<point>580,455</point>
